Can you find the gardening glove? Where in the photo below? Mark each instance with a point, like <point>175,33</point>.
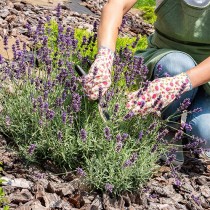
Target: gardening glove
<point>98,80</point>
<point>158,94</point>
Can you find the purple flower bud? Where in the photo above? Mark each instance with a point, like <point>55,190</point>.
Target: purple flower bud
<point>131,160</point>
<point>154,148</point>
<point>197,110</point>
<point>80,172</point>
<point>177,182</point>
<point>5,42</point>
<point>50,114</point>
<point>1,59</point>
<point>119,146</point>
<point>124,136</point>
<point>129,116</point>
<point>109,187</point>
<point>107,133</point>
<point>116,108</point>
<point>187,126</point>
<point>185,104</point>
<point>83,135</point>
<point>196,199</point>
<point>141,133</point>
<point>31,149</point>
<point>64,116</point>
<point>60,135</point>
<point>178,135</point>
<point>119,137</point>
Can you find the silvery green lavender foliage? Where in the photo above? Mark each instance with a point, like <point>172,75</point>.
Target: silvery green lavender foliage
<point>44,109</point>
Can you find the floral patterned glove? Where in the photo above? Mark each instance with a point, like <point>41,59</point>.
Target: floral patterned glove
<point>99,76</point>
<point>158,94</point>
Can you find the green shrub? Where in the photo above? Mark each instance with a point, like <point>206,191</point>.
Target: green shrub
<point>148,8</point>
<point>3,200</point>
<point>49,117</point>
<point>143,3</point>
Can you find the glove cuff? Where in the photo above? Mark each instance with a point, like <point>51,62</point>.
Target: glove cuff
<point>187,85</point>
<point>105,52</point>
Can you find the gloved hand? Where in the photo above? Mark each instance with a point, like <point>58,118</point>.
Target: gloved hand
<point>99,76</point>
<point>159,93</point>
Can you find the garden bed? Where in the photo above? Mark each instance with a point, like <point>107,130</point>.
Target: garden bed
<point>87,163</point>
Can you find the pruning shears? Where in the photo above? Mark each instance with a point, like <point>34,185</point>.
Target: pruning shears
<point>104,114</point>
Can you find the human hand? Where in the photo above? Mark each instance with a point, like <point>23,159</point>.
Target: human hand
<point>158,94</point>
<point>98,80</point>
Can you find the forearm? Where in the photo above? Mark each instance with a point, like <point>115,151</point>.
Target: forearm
<point>200,74</point>
<point>111,19</point>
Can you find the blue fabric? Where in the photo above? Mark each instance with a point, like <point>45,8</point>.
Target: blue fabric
<point>175,63</point>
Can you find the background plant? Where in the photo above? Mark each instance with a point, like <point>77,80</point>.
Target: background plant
<point>148,8</point>
<point>3,200</point>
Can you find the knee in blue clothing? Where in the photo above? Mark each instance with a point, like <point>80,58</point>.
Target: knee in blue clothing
<point>200,128</point>
<point>174,63</point>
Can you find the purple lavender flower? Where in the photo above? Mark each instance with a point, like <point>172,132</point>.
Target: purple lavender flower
<point>185,104</point>
<point>197,110</point>
<point>154,148</point>
<point>178,135</point>
<point>60,136</point>
<point>76,102</point>
<point>119,137</point>
<point>116,108</point>
<point>50,114</point>
<point>187,126</point>
<point>196,199</point>
<point>109,187</point>
<point>141,133</point>
<point>31,149</point>
<point>40,123</point>
<point>83,135</point>
<point>159,70</point>
<point>166,74</point>
<point>5,42</point>
<point>64,116</point>
<point>170,159</point>
<point>119,146</point>
<point>129,116</point>
<point>7,121</point>
<point>178,183</point>
<point>100,91</point>
<point>107,133</point>
<point>58,9</point>
<point>131,160</point>
<point>162,134</point>
<point>80,172</point>
<point>1,59</point>
<point>124,136</point>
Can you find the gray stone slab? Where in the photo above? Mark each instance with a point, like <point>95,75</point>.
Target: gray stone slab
<point>75,6</point>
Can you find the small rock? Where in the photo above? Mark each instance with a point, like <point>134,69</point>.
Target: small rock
<point>205,191</point>
<point>51,200</point>
<point>96,204</point>
<point>20,183</point>
<point>201,180</point>
<point>77,201</point>
<point>4,13</point>
<point>21,197</point>
<point>10,18</point>
<point>18,6</point>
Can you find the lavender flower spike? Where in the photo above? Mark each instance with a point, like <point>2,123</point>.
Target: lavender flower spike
<point>80,172</point>
<point>31,149</point>
<point>83,135</point>
<point>109,187</point>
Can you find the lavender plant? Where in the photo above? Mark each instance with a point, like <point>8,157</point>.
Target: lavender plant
<point>45,111</point>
